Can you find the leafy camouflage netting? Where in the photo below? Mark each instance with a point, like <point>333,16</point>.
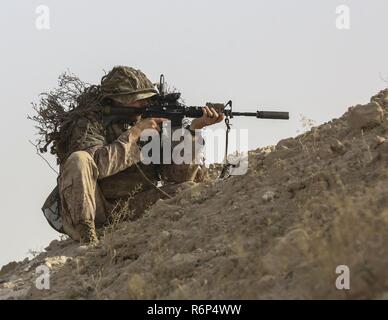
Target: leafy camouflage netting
<point>59,107</point>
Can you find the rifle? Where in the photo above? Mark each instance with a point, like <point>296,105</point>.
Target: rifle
<point>168,105</point>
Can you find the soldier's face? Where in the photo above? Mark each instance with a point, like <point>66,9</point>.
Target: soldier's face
<point>136,104</point>
<point>139,103</point>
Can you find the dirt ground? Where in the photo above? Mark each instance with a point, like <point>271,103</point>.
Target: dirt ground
<point>306,206</point>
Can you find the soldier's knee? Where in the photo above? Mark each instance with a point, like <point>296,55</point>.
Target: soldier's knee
<point>79,159</point>
<point>79,164</point>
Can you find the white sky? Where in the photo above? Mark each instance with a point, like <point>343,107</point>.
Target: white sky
<point>280,55</point>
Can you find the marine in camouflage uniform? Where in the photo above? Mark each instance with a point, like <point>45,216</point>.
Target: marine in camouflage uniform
<point>101,165</point>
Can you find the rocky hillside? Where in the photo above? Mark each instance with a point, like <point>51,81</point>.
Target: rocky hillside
<point>306,205</point>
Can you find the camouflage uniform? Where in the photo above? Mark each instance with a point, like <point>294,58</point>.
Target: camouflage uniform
<point>100,168</point>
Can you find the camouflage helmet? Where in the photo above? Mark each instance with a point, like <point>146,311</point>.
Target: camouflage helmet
<point>126,85</point>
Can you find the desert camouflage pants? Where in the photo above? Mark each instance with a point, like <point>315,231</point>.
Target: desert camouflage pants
<point>85,196</point>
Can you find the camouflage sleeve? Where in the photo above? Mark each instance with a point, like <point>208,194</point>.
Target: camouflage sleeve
<point>117,156</point>
<point>89,135</point>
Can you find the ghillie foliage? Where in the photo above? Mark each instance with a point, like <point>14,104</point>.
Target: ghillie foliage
<point>59,107</point>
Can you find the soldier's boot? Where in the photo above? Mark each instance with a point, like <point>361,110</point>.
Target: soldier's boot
<point>87,232</point>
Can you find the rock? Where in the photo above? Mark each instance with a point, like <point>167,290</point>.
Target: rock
<point>378,141</point>
<point>55,261</point>
<point>365,116</point>
<point>268,196</point>
<point>337,147</point>
<point>165,235</point>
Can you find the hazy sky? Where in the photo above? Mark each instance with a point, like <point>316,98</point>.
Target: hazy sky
<point>279,55</point>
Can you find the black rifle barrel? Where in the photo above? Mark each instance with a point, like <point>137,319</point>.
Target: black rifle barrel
<point>191,112</point>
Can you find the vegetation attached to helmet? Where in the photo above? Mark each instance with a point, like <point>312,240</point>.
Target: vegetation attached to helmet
<point>59,107</point>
